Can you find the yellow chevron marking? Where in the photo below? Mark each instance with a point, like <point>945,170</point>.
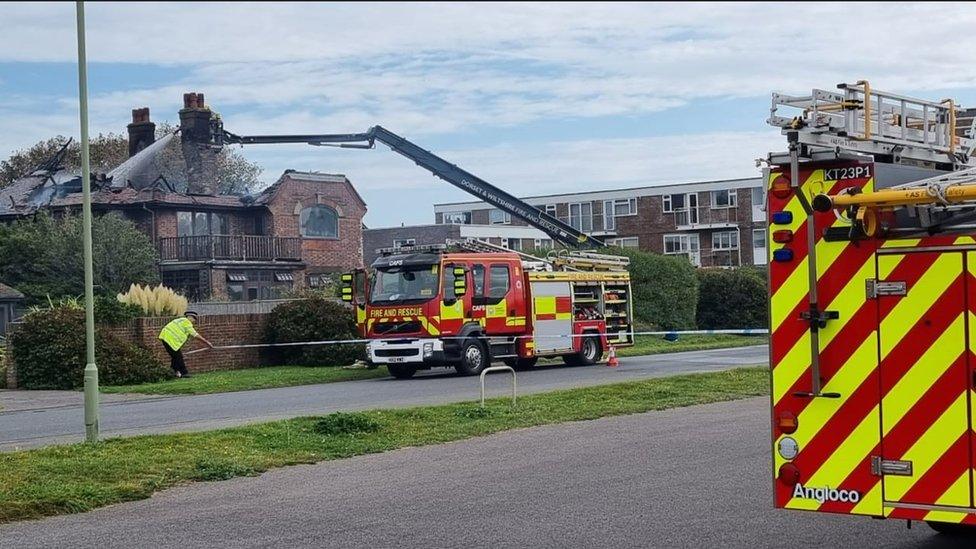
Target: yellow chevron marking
<point>871,503</point>
<point>897,324</point>
<point>923,374</point>
<point>928,449</point>
<point>847,302</point>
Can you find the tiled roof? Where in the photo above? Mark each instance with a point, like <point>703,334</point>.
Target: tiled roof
<point>6,292</point>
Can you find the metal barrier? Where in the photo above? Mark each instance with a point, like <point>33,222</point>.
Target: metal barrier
<point>498,369</point>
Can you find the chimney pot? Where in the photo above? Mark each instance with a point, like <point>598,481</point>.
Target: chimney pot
<point>201,104</point>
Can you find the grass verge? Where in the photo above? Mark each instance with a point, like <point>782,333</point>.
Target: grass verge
<point>651,345</point>
<point>249,379</point>
<point>80,477</point>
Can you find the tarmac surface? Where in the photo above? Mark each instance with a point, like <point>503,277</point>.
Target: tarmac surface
<point>48,423</point>
<point>694,477</point>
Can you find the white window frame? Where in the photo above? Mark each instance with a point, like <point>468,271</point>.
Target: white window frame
<point>550,209</point>
<point>625,242</point>
<point>504,243</point>
<point>732,202</point>
<point>462,213</point>
<point>726,240</point>
<point>761,195</point>
<point>685,241</point>
<point>582,225</point>
<point>763,236</point>
<point>610,214</point>
<point>401,242</point>
<point>506,217</point>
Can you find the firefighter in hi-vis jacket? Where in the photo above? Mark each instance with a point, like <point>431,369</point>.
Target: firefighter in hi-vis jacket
<point>174,336</point>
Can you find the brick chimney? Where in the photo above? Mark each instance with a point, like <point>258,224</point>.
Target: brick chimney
<point>142,131</point>
<point>197,142</point>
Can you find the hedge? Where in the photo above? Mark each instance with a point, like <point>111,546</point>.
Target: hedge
<point>316,318</point>
<point>49,351</point>
<point>665,289</point>
<point>732,298</point>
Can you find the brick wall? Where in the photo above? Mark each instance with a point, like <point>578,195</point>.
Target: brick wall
<point>320,254</point>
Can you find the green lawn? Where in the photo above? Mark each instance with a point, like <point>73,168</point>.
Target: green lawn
<point>650,345</point>
<point>81,477</point>
<point>249,379</point>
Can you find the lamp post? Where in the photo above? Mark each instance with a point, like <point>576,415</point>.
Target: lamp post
<point>91,371</point>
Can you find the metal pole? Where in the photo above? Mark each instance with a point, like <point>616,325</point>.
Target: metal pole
<point>91,371</point>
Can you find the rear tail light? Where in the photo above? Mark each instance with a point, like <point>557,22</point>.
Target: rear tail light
<point>787,422</point>
<point>783,236</point>
<point>789,474</point>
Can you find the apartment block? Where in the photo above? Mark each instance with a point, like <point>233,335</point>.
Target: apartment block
<point>712,223</point>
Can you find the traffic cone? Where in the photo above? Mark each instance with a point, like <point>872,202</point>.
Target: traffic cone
<point>612,359</point>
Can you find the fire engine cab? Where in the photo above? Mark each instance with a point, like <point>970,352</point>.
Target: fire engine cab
<point>464,305</point>
<point>872,301</point>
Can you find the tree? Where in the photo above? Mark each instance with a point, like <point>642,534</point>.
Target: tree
<point>42,257</point>
<point>235,174</point>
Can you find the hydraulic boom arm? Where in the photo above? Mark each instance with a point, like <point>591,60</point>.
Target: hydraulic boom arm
<point>558,230</point>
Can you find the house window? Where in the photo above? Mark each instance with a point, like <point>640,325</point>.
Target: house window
<point>401,242</point>
<point>757,196</point>
<point>673,202</point>
<point>457,218</point>
<point>319,222</point>
<point>683,244</point>
<point>725,240</point>
<point>186,282</point>
<point>759,239</point>
<point>515,244</point>
<point>724,199</point>
<point>550,209</point>
<point>612,209</point>
<point>255,284</point>
<point>499,217</point>
<point>201,224</point>
<point>581,216</point>
<point>624,242</point>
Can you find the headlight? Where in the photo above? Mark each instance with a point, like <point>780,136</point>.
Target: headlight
<point>788,448</point>
<point>428,349</point>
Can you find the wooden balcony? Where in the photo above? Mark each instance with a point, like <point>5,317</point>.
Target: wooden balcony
<point>230,248</point>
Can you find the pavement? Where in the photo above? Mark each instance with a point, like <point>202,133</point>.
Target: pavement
<point>29,428</point>
<point>690,477</point>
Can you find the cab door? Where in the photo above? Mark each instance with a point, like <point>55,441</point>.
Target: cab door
<point>500,299</point>
<point>925,379</point>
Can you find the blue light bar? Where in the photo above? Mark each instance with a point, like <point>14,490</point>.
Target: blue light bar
<point>783,255</point>
<point>782,218</point>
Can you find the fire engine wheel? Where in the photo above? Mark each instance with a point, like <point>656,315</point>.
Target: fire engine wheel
<point>401,371</point>
<point>521,363</point>
<point>589,353</point>
<point>474,358</point>
<point>952,529</point>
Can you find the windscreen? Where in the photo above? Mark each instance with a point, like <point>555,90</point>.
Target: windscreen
<point>406,283</point>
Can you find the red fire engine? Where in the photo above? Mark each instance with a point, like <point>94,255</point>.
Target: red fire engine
<point>872,293</point>
<point>437,306</point>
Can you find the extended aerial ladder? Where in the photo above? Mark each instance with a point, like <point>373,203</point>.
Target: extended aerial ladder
<point>464,180</point>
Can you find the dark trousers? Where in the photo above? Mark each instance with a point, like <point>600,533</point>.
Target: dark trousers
<point>176,359</point>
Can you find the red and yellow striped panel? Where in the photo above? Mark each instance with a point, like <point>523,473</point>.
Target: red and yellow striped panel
<point>552,308</point>
<point>902,366</point>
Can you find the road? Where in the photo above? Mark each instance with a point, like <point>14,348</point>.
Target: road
<point>691,477</point>
<point>46,426</point>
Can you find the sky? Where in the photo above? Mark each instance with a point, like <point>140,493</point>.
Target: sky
<point>534,98</point>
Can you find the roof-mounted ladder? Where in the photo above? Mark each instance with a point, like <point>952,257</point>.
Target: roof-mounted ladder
<point>867,121</point>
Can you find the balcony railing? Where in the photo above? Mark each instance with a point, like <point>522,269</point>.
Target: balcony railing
<point>705,217</point>
<point>230,248</point>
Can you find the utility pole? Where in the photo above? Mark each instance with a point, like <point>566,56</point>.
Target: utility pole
<point>91,370</point>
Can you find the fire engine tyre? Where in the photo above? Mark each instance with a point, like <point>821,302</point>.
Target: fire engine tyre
<point>474,358</point>
<point>521,363</point>
<point>590,353</point>
<point>953,530</point>
<point>401,371</point>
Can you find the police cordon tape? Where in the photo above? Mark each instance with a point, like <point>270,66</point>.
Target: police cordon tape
<point>666,334</point>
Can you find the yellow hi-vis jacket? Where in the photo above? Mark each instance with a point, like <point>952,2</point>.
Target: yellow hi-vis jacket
<point>177,332</point>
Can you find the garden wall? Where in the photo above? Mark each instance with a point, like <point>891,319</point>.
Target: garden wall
<point>221,330</point>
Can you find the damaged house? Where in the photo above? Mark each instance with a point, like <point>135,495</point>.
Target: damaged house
<point>211,247</point>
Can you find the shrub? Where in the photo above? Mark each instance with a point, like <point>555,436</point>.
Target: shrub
<point>665,289</point>
<point>49,350</point>
<point>315,319</point>
<point>157,301</point>
<point>732,298</point>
